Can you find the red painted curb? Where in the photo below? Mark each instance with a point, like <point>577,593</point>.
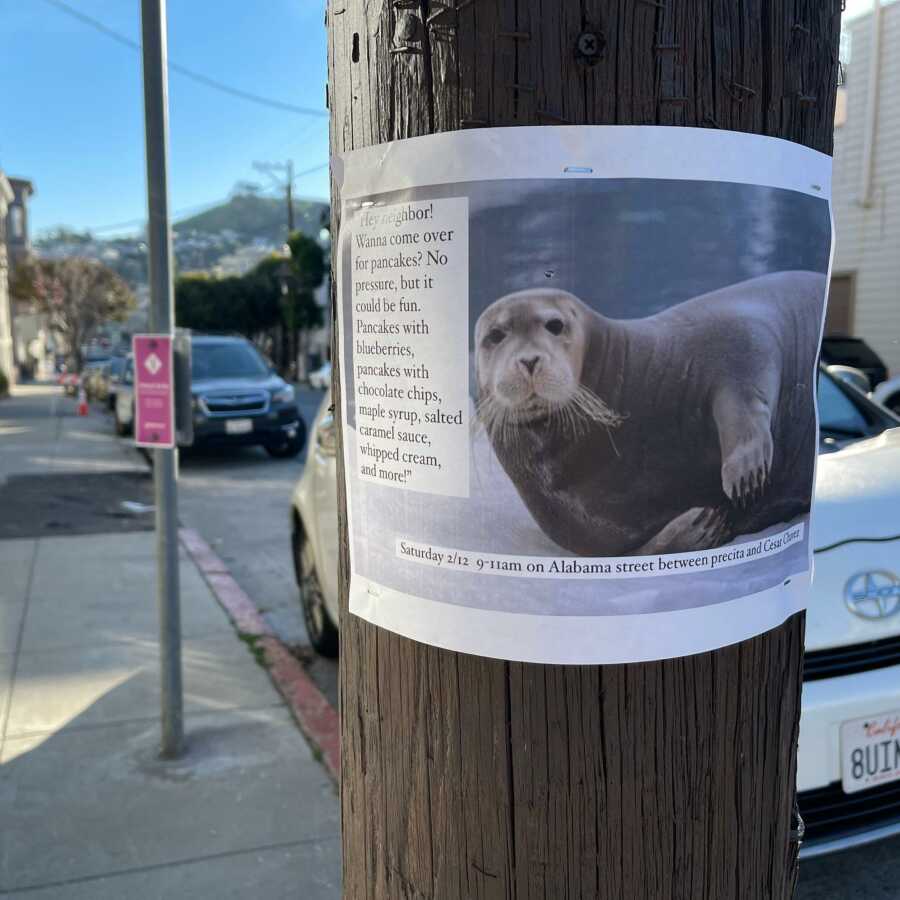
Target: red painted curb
<point>317,718</point>
<point>239,606</point>
<point>202,553</point>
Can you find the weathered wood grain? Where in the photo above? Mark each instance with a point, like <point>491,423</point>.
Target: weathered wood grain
<point>472,778</point>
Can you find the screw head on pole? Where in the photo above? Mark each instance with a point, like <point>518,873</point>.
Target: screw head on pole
<point>589,47</point>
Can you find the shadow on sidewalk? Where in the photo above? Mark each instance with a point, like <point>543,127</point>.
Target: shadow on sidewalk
<point>90,810</point>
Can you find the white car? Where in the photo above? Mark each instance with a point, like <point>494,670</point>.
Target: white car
<point>123,406</point>
<point>888,393</point>
<point>848,775</point>
<point>320,379</point>
<point>314,533</point>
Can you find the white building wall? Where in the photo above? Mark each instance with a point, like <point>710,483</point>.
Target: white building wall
<point>868,239</point>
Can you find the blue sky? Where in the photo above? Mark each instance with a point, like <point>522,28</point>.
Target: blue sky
<point>73,104</point>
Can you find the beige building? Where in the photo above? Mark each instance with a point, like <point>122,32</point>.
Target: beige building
<point>865,292</point>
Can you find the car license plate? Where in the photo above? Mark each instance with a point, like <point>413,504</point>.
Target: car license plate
<point>870,751</point>
<point>238,426</point>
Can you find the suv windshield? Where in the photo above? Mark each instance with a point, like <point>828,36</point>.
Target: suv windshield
<point>230,359</point>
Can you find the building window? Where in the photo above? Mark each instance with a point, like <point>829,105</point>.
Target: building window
<point>839,315</point>
<point>16,223</point>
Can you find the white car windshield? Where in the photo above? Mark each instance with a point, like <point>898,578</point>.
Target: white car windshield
<point>847,414</point>
<point>838,413</point>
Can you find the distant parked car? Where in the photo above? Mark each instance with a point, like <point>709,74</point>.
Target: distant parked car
<point>237,399</point>
<point>70,382</point>
<point>109,378</point>
<point>855,352</point>
<point>852,664</point>
<point>91,374</point>
<point>321,378</point>
<point>99,382</point>
<point>123,407</point>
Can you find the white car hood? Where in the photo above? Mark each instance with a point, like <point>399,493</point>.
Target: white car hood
<point>858,492</point>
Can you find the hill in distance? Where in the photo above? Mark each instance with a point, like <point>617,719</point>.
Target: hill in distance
<point>255,217</point>
<point>227,239</point>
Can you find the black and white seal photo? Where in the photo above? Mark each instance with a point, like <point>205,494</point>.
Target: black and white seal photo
<point>664,434</point>
<point>641,378</point>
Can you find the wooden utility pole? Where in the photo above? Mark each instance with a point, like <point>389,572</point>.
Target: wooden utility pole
<point>270,169</point>
<point>473,778</point>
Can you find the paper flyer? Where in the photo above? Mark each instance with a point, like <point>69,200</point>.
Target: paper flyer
<point>578,374</point>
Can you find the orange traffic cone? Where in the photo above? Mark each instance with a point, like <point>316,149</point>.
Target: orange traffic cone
<point>82,402</point>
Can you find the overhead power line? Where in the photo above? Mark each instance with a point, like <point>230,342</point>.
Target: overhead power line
<point>305,172</point>
<point>202,207</point>
<point>199,77</point>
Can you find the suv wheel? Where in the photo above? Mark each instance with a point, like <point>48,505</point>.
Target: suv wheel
<point>323,633</point>
<point>289,447</point>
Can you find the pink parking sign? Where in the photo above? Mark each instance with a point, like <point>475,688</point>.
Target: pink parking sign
<point>154,409</point>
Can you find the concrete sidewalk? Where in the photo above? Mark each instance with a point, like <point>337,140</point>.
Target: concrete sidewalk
<point>87,809</point>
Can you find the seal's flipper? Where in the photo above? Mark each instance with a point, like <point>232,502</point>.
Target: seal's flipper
<point>700,528</point>
<point>744,422</point>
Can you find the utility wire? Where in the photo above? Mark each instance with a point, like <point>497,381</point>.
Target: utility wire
<point>202,207</point>
<point>199,77</point>
<point>318,168</point>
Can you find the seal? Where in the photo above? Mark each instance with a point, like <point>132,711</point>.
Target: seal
<point>666,434</point>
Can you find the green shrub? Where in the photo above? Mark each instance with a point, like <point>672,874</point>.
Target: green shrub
<point>4,384</point>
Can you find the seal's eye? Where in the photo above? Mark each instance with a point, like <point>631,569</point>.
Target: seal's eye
<point>555,326</point>
<point>495,336</point>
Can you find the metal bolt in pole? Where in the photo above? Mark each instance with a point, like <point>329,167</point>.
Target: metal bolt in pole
<point>162,321</point>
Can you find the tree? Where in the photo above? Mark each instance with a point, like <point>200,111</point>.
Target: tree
<point>307,271</point>
<point>275,294</point>
<point>307,268</point>
<point>205,303</point>
<point>77,295</point>
<point>464,777</point>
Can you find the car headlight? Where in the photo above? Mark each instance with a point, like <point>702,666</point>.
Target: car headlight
<point>283,395</point>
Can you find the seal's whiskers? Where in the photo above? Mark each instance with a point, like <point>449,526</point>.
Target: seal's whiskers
<point>593,409</point>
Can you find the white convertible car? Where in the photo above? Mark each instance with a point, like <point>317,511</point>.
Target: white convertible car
<point>849,757</point>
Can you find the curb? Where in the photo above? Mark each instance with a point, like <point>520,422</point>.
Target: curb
<point>317,718</point>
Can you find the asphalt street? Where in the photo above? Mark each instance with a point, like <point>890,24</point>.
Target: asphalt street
<point>239,501</point>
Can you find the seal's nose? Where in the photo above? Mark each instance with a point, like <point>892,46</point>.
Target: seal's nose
<point>530,364</point>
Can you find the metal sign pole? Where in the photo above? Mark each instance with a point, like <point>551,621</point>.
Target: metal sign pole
<point>162,321</point>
